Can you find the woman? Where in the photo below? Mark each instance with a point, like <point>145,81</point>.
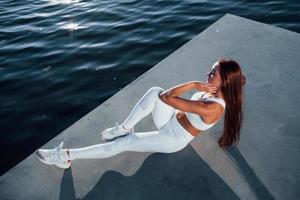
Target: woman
<point>178,120</point>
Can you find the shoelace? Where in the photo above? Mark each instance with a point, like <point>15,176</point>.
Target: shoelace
<point>54,156</point>
<point>117,128</point>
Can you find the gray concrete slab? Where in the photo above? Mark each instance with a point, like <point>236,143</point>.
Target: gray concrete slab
<point>264,165</point>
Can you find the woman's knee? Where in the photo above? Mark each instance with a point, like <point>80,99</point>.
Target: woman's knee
<point>150,96</point>
<point>153,93</point>
<point>156,90</point>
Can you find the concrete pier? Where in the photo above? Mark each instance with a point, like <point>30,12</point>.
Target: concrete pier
<point>265,164</point>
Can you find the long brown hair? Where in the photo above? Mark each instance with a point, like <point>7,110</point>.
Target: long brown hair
<point>232,89</point>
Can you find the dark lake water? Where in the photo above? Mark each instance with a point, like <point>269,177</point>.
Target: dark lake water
<point>60,59</point>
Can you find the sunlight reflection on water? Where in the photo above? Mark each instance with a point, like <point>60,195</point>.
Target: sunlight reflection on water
<point>64,1</point>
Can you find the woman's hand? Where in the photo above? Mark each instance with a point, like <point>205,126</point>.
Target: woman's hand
<point>212,90</point>
<point>206,87</point>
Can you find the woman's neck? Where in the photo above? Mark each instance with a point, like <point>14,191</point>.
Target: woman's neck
<point>219,95</point>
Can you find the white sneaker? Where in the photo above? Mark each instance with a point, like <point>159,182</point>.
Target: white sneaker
<point>116,131</point>
<point>52,157</point>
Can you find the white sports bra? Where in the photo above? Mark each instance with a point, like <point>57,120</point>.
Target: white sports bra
<point>195,119</point>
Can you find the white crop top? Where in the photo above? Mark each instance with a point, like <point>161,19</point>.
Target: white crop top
<point>195,119</point>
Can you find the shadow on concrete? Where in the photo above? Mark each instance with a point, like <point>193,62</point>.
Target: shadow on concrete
<point>162,176</point>
<point>167,176</point>
<point>257,187</point>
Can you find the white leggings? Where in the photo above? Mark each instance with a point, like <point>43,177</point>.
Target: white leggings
<point>170,136</point>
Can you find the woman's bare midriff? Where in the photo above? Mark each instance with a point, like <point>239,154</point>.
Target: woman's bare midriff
<point>185,123</point>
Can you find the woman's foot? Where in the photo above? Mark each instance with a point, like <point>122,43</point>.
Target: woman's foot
<point>56,156</point>
<point>116,131</point>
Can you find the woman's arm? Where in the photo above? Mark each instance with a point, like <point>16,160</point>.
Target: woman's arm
<point>177,90</point>
<point>183,87</point>
<point>171,97</point>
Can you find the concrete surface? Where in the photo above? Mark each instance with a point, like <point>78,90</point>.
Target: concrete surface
<point>265,165</point>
